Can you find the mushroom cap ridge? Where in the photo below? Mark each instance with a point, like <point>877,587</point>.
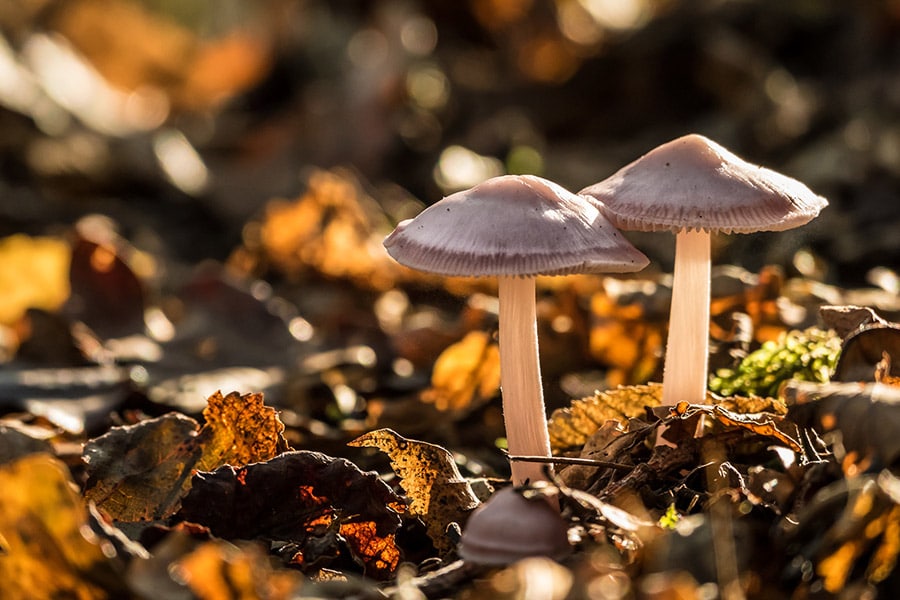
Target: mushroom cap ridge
<point>694,183</point>
<point>513,225</point>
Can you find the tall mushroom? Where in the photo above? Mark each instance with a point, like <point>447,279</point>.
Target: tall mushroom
<point>515,228</point>
<point>693,186</point>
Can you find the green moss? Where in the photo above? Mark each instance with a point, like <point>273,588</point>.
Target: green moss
<point>808,355</point>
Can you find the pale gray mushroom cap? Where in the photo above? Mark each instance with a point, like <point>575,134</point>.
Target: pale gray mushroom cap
<point>513,225</point>
<point>509,527</point>
<point>694,183</point>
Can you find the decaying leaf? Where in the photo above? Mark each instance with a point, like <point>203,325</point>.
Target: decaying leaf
<point>436,490</point>
<point>140,472</point>
<point>571,426</point>
<point>302,499</point>
<point>866,416</point>
<point>466,374</point>
<point>47,548</point>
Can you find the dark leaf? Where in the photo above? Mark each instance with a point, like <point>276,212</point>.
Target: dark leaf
<point>297,498</point>
<point>867,417</point>
<point>140,472</point>
<point>864,349</point>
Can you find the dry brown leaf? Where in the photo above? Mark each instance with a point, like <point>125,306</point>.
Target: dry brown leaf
<point>47,548</point>
<point>466,374</point>
<point>437,492</point>
<point>239,430</point>
<point>570,427</point>
<point>140,472</point>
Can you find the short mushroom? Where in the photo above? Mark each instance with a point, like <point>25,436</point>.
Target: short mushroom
<point>515,227</point>
<point>693,186</point>
<point>509,527</point>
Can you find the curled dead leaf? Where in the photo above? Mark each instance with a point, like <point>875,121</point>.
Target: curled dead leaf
<point>437,492</point>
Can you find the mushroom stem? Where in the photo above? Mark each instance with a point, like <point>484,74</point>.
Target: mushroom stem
<point>520,378</point>
<point>687,348</point>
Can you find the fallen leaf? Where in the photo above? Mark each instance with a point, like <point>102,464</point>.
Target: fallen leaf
<point>140,472</point>
<point>466,374</point>
<point>571,427</point>
<point>436,490</point>
<point>47,547</point>
<point>296,498</point>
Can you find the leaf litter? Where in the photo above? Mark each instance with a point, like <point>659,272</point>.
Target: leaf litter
<point>125,474</point>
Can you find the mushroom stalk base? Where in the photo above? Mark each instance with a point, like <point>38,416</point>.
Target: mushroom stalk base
<point>687,348</point>
<point>520,378</point>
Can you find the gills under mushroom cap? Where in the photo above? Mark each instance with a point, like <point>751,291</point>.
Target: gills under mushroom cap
<point>694,183</point>
<point>513,225</point>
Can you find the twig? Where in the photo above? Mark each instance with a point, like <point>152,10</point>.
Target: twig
<point>565,460</point>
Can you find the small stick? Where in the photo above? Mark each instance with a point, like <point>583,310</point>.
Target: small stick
<point>564,460</point>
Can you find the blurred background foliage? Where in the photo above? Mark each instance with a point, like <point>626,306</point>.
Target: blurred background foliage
<point>182,119</point>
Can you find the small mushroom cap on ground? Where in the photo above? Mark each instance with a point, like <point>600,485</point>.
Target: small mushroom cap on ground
<point>513,225</point>
<point>694,183</point>
<point>509,527</point>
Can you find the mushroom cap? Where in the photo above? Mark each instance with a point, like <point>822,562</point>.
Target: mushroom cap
<point>509,527</point>
<point>694,183</point>
<point>513,225</point>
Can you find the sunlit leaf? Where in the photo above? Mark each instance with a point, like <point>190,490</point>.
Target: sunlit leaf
<point>571,426</point>
<point>140,472</point>
<point>47,548</point>
<point>34,273</point>
<point>436,490</point>
<point>297,498</point>
<point>466,374</point>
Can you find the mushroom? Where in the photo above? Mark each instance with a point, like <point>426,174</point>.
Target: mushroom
<point>693,186</point>
<point>515,227</point>
<point>509,527</point>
